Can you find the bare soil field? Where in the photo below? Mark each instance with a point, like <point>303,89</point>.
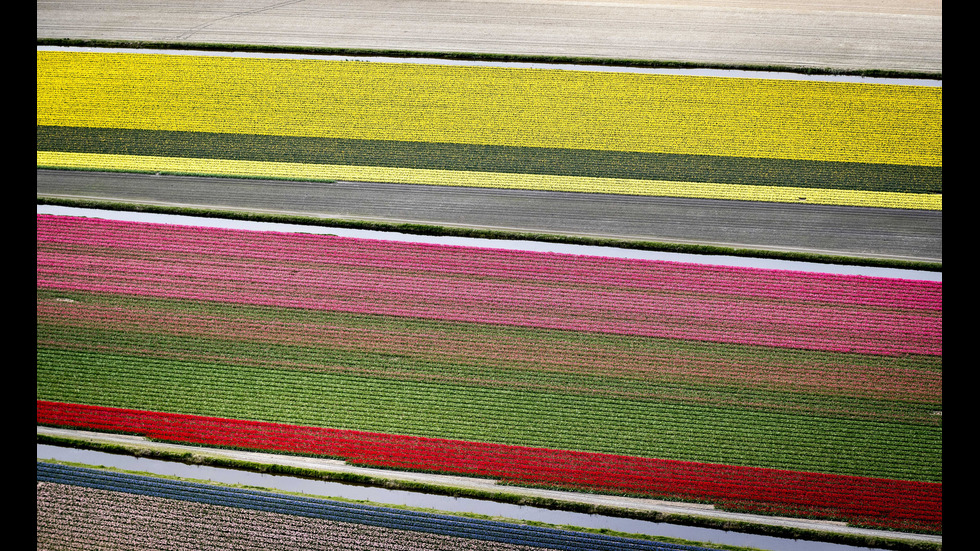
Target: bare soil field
<point>901,35</point>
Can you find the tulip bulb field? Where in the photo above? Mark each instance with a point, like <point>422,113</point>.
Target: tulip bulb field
<point>776,392</point>
<point>756,139</point>
<point>763,391</point>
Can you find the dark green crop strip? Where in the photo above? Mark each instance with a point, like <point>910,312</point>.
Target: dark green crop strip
<point>487,158</point>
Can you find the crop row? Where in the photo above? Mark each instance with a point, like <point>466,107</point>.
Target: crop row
<point>81,518</point>
<point>764,324</point>
<point>167,499</point>
<point>734,117</point>
<point>635,373</point>
<point>128,239</point>
<point>497,357</point>
<point>318,366</point>
<point>400,371</point>
<point>886,503</point>
<point>652,428</point>
<point>131,353</point>
<point>184,270</point>
<point>721,138</point>
<point>271,328</point>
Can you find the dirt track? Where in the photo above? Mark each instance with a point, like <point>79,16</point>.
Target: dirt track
<point>864,34</point>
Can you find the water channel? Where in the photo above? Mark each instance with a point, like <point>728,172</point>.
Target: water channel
<point>428,501</point>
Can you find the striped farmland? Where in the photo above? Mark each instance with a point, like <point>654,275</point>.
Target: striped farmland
<point>641,134</point>
<point>825,385</point>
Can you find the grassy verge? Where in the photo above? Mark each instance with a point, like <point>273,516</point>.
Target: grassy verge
<point>475,56</point>
<point>500,497</point>
<point>433,230</point>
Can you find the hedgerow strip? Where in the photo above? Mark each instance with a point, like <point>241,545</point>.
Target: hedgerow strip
<point>579,184</point>
<point>494,159</point>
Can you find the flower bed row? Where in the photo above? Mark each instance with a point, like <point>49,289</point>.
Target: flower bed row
<point>523,351</point>
<point>626,365</point>
<point>297,250</point>
<point>628,133</point>
<point>611,111</point>
<point>867,501</point>
<point>188,270</point>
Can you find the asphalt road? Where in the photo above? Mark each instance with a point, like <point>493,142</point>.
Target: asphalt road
<point>860,34</point>
<point>850,231</point>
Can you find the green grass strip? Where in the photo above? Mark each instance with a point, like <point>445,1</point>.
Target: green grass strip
<point>489,158</point>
